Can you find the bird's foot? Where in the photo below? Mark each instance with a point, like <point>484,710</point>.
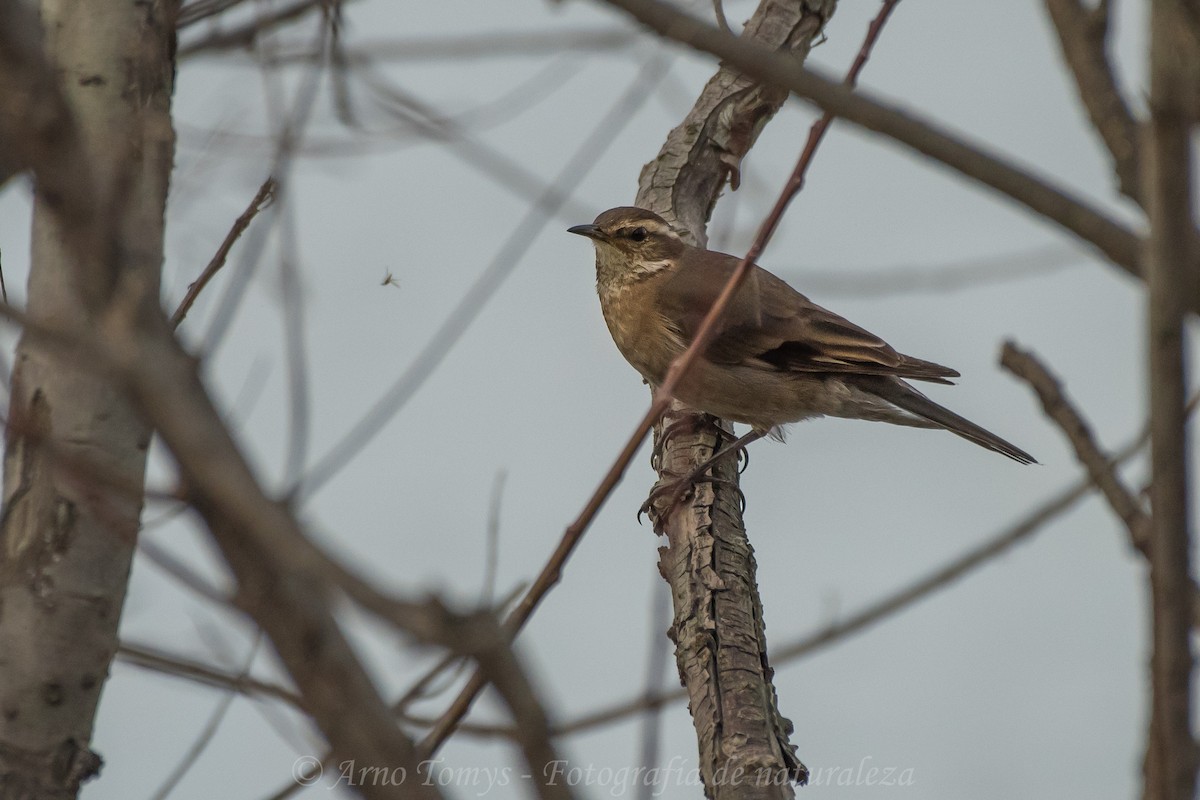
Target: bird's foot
<point>667,495</point>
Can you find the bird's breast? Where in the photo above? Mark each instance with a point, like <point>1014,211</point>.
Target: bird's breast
<point>640,331</point>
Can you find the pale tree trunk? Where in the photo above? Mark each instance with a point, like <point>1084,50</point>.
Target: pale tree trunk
<point>75,450</point>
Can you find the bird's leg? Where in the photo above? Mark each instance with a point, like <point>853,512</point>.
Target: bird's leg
<point>679,487</point>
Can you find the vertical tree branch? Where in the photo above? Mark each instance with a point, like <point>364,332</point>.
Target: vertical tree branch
<point>708,561</point>
<point>90,104</point>
<point>1171,753</point>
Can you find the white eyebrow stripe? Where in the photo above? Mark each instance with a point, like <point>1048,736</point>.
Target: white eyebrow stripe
<point>644,268</point>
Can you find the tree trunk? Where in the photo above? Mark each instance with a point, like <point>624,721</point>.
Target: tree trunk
<point>1171,757</point>
<point>75,450</point>
<point>718,628</point>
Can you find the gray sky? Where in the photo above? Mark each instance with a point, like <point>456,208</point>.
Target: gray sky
<point>1026,679</point>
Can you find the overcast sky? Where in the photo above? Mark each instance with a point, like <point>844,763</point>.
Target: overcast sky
<point>1025,679</point>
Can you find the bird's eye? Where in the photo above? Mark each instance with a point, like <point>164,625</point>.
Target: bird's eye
<point>638,234</point>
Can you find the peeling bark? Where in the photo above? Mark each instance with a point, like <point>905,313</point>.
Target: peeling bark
<point>718,628</point>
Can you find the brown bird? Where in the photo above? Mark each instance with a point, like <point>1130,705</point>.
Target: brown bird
<point>777,357</point>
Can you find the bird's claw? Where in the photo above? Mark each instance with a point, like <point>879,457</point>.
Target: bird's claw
<point>676,491</point>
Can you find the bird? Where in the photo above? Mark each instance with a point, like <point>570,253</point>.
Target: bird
<point>776,358</point>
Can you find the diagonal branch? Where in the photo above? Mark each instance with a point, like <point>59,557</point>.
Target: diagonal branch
<point>263,198</point>
<point>245,35</point>
<point>1083,35</point>
<point>1101,470</point>
<point>1118,244</point>
<point>1124,503</point>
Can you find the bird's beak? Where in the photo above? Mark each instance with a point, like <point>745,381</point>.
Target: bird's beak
<point>590,231</point>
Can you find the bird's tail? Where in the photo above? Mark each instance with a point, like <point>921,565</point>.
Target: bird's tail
<point>903,396</point>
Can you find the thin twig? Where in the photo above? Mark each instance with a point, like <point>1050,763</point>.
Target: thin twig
<point>296,352</point>
<point>482,638</point>
<point>210,729</point>
<point>154,659</point>
<point>289,125</point>
<point>491,557</point>
<point>262,198</point>
<point>421,689</point>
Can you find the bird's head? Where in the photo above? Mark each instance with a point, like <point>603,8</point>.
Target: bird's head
<point>631,245</point>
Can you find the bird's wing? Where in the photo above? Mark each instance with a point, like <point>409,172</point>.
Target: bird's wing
<point>771,324</point>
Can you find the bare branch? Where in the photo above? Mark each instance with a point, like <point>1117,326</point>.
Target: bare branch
<point>244,36</point>
<point>482,638</point>
<point>1083,35</point>
<point>148,657</point>
<point>488,643</point>
<point>519,44</point>
<point>491,559</point>
<point>207,732</point>
<point>1170,270</point>
<point>719,10</point>
<point>1118,244</point>
<point>262,198</point>
<point>1124,503</point>
<point>199,10</point>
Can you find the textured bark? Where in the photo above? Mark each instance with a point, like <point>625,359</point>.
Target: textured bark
<point>684,181</point>
<point>75,450</point>
<point>718,629</point>
<point>1169,268</point>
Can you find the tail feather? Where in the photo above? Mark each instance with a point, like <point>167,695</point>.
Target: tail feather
<point>904,396</point>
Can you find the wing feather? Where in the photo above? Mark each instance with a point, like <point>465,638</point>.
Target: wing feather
<point>772,324</point>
